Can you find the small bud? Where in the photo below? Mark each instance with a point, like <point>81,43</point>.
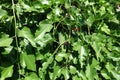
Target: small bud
<point>68,15</point>
<point>76,29</point>
<point>118,8</point>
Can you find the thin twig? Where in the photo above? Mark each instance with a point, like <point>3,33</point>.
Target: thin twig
<point>16,40</point>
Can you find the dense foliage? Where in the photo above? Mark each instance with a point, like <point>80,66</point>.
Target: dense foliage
<point>59,40</point>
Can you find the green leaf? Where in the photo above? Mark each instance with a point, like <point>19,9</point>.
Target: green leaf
<point>67,4</point>
<point>41,74</point>
<point>95,64</point>
<point>45,2</point>
<point>7,72</point>
<point>44,26</point>
<point>45,40</point>
<point>97,46</point>
<point>81,50</point>
<point>109,67</point>
<point>82,75</point>
<point>56,73</point>
<point>28,61</point>
<point>45,65</point>
<point>39,56</point>
<point>82,54</point>
<point>91,72</point>
<point>65,73</point>
<point>26,33</point>
<point>36,4</point>
<point>31,76</point>
<point>61,38</point>
<point>60,56</point>
<point>77,45</point>
<point>116,75</point>
<point>7,50</point>
<point>76,78</point>
<point>26,8</point>
<point>73,70</point>
<point>2,13</point>
<point>5,41</point>
<point>105,29</point>
<point>104,74</point>
<point>102,10</point>
<point>75,60</point>
<point>57,11</point>
<point>115,20</point>
<point>22,60</point>
<point>90,20</point>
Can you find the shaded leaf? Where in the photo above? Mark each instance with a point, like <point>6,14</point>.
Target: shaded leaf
<point>2,13</point>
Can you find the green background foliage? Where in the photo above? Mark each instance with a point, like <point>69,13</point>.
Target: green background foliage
<point>59,40</point>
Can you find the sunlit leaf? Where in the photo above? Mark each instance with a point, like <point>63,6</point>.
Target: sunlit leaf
<point>44,26</point>
<point>90,20</point>
<point>65,73</point>
<point>57,11</point>
<point>105,29</point>
<point>5,40</point>
<point>76,78</point>
<point>61,38</point>
<point>102,10</point>
<point>73,70</point>
<point>103,73</point>
<point>109,67</point>
<point>26,33</point>
<point>22,60</point>
<point>56,73</point>
<point>59,57</point>
<point>7,50</point>
<point>46,39</point>
<point>116,75</point>
<point>46,64</point>
<point>7,72</point>
<point>28,61</point>
<point>81,50</point>
<point>32,76</point>
<point>90,72</point>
